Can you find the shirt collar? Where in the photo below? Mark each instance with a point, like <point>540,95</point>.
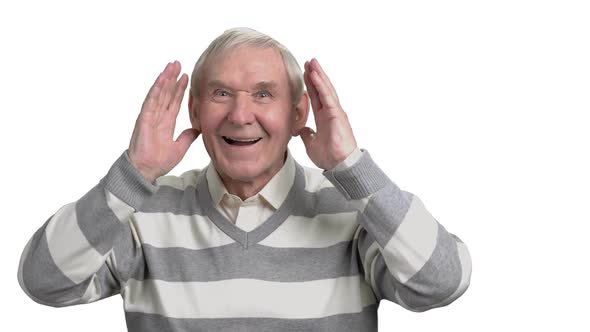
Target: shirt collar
<point>274,192</point>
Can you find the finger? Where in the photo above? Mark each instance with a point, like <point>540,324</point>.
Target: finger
<point>327,99</point>
<point>179,94</point>
<point>157,84</point>
<point>315,64</point>
<point>307,135</point>
<point>151,102</point>
<point>186,138</point>
<point>175,71</point>
<point>313,93</point>
<point>168,91</point>
<point>175,83</point>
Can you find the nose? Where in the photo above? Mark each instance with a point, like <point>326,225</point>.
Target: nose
<point>241,113</point>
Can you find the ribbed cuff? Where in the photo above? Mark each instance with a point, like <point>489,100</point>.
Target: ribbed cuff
<point>360,180</point>
<point>124,181</point>
<point>354,156</point>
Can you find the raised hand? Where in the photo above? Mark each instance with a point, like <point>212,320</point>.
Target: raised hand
<point>152,148</point>
<point>334,140</point>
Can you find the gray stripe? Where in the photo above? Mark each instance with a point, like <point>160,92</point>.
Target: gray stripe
<point>107,284</point>
<point>436,281</point>
<point>360,180</point>
<point>257,262</point>
<point>365,240</point>
<point>384,212</point>
<point>185,202</point>
<point>298,202</point>
<point>327,200</point>
<point>45,281</point>
<point>365,321</point>
<point>43,278</point>
<point>97,221</point>
<point>125,182</point>
<point>267,227</point>
<point>173,200</point>
<point>129,258</point>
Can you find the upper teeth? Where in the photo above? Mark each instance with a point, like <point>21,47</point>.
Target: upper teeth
<point>244,140</point>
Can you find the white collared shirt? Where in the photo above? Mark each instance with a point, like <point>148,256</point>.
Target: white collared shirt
<point>250,213</point>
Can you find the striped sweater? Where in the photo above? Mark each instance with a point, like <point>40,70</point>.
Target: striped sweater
<point>340,243</point>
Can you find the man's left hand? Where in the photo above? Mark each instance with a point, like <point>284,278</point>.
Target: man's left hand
<point>334,140</point>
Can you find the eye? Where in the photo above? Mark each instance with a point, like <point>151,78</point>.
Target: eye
<point>263,94</point>
<point>221,93</point>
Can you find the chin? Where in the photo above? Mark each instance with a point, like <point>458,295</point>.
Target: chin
<point>243,171</point>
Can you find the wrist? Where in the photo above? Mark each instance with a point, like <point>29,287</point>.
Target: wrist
<point>124,181</point>
<point>147,174</point>
<point>350,160</point>
<point>359,180</point>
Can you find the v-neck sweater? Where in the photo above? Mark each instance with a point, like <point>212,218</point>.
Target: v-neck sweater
<point>250,213</point>
<point>339,243</point>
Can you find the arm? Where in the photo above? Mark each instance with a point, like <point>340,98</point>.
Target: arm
<point>408,257</point>
<point>87,249</point>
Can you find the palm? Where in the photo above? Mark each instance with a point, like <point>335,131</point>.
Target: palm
<point>334,139</point>
<point>153,149</point>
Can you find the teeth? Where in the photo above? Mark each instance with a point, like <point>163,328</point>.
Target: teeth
<point>244,140</point>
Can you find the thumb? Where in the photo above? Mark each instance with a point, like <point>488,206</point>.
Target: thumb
<point>186,138</point>
<point>307,135</point>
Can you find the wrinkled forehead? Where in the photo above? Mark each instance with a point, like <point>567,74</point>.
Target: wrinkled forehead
<point>246,65</point>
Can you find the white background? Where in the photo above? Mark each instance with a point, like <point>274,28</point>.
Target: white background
<point>479,108</point>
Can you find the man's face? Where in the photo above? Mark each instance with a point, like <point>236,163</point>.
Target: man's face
<point>245,113</point>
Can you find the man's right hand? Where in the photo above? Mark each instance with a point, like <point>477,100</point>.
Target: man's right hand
<point>152,149</point>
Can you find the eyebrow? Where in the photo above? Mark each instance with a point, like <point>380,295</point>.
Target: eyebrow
<point>268,85</point>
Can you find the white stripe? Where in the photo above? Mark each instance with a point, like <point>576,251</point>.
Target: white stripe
<point>376,289</point>
<point>321,231</point>
<point>188,178</point>
<point>69,248</point>
<point>164,230</point>
<point>90,294</point>
<point>121,209</point>
<point>466,268</point>
<point>360,204</point>
<point>465,277</point>
<point>370,256</point>
<point>237,297</point>
<point>412,243</point>
<point>93,292</point>
<point>315,180</point>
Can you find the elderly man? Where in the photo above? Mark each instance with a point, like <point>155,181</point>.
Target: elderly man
<point>255,241</point>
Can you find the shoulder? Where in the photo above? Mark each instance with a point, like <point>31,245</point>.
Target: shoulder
<point>182,181</point>
<point>315,180</point>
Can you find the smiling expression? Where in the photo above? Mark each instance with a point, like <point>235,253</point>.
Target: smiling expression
<point>245,114</point>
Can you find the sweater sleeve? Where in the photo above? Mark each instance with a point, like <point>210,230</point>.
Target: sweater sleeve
<point>408,257</point>
<point>87,249</point>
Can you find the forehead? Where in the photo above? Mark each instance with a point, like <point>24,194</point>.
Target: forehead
<point>246,65</point>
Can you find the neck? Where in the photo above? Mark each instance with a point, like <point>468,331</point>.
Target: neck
<point>248,188</point>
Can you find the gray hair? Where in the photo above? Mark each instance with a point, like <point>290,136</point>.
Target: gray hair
<point>235,37</point>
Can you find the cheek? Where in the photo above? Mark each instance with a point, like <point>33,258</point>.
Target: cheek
<point>277,124</point>
<point>210,120</point>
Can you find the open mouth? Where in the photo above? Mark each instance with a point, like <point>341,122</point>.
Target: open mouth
<point>241,141</point>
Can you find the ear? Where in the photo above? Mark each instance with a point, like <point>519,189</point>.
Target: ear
<point>301,111</point>
<point>193,111</point>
